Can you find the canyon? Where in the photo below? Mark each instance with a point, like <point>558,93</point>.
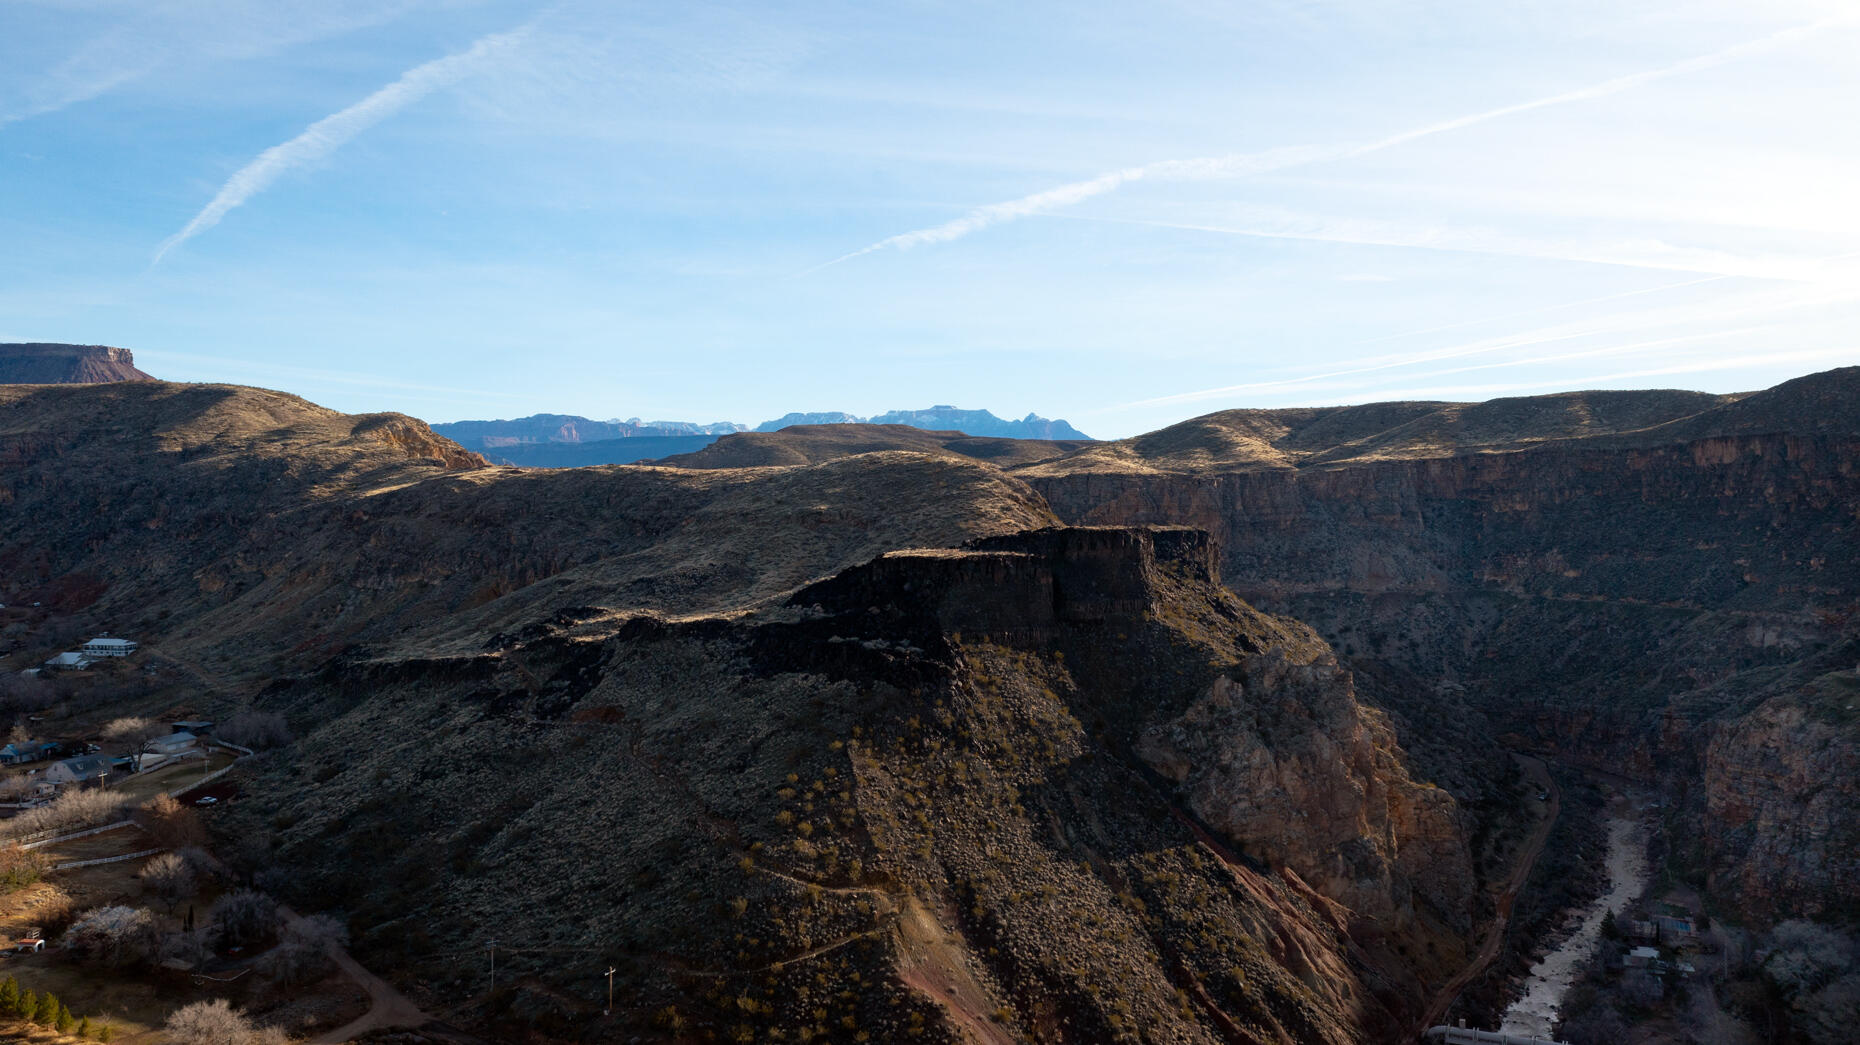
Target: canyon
<point>1199,735</point>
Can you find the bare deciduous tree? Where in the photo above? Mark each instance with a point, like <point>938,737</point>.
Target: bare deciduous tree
<point>303,956</point>
<point>255,729</point>
<point>137,733</point>
<point>171,824</point>
<point>169,876</point>
<point>213,1022</point>
<point>116,936</point>
<point>26,693</point>
<point>245,918</point>
<point>71,810</point>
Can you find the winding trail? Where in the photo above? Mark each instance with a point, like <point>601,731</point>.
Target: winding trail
<point>387,1007</point>
<point>1495,933</point>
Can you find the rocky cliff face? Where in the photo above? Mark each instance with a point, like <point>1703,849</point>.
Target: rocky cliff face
<point>38,363</point>
<point>1614,578</point>
<point>1780,787</point>
<point>1299,775</point>
<point>997,792</point>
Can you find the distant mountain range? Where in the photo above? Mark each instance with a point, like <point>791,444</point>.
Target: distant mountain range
<point>567,441</point>
<point>941,419</point>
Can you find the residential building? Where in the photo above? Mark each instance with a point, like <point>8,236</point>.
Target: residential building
<point>84,769</point>
<point>26,751</point>
<point>105,646</point>
<point>70,661</point>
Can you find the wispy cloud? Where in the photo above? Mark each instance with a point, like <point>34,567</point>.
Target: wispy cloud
<point>1242,165</point>
<point>332,132</point>
<point>158,36</point>
<point>1794,303</point>
<point>1641,253</point>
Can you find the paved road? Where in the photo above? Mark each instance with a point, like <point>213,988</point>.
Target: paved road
<point>387,1007</point>
<point>1495,934</point>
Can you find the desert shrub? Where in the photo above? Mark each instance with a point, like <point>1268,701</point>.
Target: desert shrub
<point>169,877</point>
<point>20,868</point>
<point>171,824</point>
<point>302,956</point>
<point>70,811</point>
<point>213,1022</point>
<point>255,729</point>
<point>245,918</point>
<point>115,936</point>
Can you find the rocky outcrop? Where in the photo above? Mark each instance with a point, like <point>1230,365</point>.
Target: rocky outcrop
<point>1781,786</point>
<point>39,363</point>
<point>924,798</point>
<point>1287,764</point>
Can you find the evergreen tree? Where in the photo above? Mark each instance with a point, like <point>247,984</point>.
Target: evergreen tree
<point>47,1012</point>
<point>65,1019</point>
<point>27,1004</point>
<point>9,995</point>
<point>83,1028</point>
<point>108,1032</point>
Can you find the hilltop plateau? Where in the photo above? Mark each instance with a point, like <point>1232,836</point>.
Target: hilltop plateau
<point>39,363</point>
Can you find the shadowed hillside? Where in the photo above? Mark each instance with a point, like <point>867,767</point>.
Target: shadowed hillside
<point>1039,787</point>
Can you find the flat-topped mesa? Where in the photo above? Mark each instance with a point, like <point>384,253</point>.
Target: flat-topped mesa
<point>1024,581</point>
<point>45,363</point>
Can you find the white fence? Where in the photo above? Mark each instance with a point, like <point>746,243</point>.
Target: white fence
<point>106,860</point>
<point>208,779</point>
<point>77,834</point>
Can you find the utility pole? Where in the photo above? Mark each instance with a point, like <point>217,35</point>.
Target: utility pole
<point>610,992</point>
<point>492,944</point>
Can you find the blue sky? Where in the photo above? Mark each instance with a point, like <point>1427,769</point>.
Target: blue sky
<point>1120,214</point>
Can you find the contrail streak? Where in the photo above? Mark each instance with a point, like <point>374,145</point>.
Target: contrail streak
<point>332,132</point>
<point>1244,164</point>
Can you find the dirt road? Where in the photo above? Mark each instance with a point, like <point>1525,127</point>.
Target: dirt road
<point>387,1007</point>
<point>1508,895</point>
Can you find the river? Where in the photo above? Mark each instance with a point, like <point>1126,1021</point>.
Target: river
<point>1535,1011</point>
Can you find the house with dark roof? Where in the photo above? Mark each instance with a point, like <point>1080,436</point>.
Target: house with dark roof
<point>82,770</point>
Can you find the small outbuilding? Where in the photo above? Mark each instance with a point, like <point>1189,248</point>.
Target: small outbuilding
<point>1641,957</point>
<point>172,744</point>
<point>199,727</point>
<point>33,946</point>
<point>71,660</point>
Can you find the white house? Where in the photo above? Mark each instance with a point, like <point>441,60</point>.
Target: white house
<point>80,770</point>
<point>105,646</point>
<point>71,661</point>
